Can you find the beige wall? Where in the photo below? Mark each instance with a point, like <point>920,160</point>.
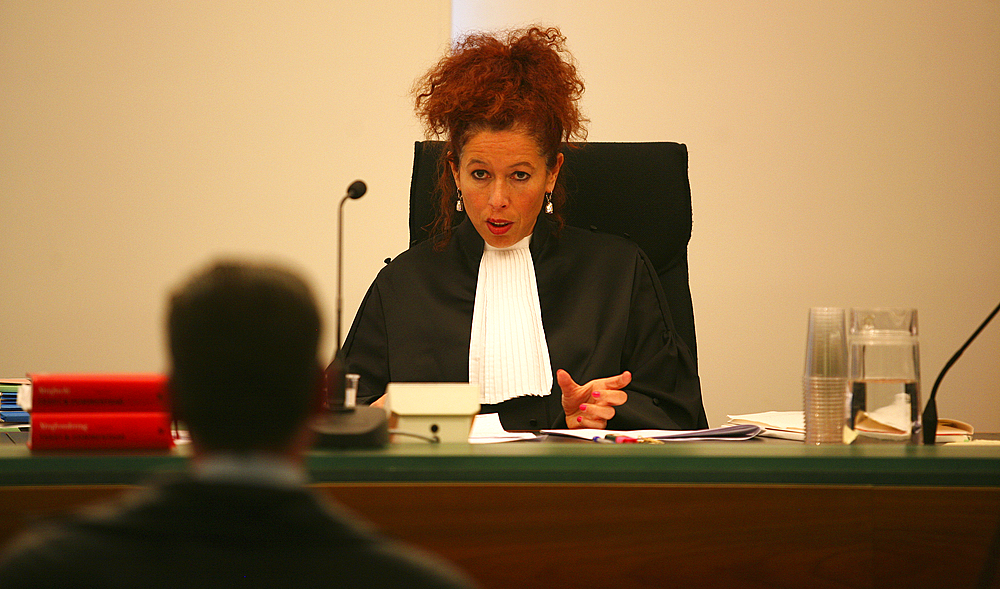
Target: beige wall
<point>139,139</point>
<point>842,153</point>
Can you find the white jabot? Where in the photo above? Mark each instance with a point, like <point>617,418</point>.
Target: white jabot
<point>508,356</point>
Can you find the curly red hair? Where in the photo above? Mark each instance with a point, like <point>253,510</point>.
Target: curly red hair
<point>524,79</point>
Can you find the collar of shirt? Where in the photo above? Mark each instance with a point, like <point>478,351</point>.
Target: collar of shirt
<point>251,469</point>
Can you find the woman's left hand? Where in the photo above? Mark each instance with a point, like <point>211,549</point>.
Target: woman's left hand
<point>591,405</point>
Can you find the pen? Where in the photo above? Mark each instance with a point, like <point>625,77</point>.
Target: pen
<point>617,439</point>
<point>601,440</point>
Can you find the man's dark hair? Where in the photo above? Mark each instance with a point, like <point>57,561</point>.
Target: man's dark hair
<point>243,344</point>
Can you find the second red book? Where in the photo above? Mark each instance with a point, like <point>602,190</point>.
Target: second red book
<point>93,430</point>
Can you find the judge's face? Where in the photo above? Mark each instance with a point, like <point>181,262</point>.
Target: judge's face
<point>503,179</point>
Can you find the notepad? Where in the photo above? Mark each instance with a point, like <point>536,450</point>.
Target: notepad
<point>786,425</point>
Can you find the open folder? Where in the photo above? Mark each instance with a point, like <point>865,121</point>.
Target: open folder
<point>486,429</point>
<point>726,432</point>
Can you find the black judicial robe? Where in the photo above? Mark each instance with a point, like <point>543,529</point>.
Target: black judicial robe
<point>603,312</point>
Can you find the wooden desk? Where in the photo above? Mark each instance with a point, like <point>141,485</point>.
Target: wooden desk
<point>748,514</point>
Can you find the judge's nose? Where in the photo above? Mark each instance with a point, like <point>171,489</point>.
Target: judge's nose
<point>498,197</point>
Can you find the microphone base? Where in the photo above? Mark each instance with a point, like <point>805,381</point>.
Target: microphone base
<point>361,427</point>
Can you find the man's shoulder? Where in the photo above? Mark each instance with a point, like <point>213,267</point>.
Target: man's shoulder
<point>221,528</point>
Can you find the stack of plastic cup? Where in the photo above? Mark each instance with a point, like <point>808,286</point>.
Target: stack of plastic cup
<point>825,379</point>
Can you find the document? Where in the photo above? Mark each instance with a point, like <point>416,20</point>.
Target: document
<point>487,429</point>
<point>790,425</point>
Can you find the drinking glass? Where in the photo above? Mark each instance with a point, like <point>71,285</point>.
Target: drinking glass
<point>885,375</point>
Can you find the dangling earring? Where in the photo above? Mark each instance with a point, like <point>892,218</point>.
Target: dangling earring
<point>458,203</point>
<point>548,203</point>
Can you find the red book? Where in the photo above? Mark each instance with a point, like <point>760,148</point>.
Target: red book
<point>98,392</point>
<point>92,430</point>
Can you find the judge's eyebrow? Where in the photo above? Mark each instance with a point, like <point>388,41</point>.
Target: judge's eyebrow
<point>483,163</point>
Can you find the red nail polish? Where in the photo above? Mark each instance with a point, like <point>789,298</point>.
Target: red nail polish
<point>579,420</point>
<point>583,407</point>
<point>595,394</point>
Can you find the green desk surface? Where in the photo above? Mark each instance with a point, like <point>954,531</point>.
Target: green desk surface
<point>746,462</point>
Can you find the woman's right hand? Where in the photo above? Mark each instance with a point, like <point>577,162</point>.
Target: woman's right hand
<point>591,405</point>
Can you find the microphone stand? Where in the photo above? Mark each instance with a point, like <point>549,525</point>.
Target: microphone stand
<point>355,191</point>
<point>343,424</point>
<point>930,418</point>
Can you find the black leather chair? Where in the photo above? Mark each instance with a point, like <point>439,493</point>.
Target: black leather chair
<point>638,190</point>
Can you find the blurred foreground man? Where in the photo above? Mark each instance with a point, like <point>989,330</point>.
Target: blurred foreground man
<point>246,381</point>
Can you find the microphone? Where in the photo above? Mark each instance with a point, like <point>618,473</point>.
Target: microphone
<point>355,191</point>
<point>929,417</point>
<point>344,425</point>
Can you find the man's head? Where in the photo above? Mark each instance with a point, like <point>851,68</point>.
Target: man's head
<point>243,347</point>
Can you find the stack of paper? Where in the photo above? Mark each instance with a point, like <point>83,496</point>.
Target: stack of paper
<point>790,425</point>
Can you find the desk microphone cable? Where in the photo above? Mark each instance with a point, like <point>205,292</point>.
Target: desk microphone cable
<point>431,439</point>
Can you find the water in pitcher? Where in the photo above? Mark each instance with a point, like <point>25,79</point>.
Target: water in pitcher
<point>885,410</point>
<point>885,375</point>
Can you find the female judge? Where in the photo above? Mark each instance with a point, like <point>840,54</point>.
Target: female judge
<point>559,327</point>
